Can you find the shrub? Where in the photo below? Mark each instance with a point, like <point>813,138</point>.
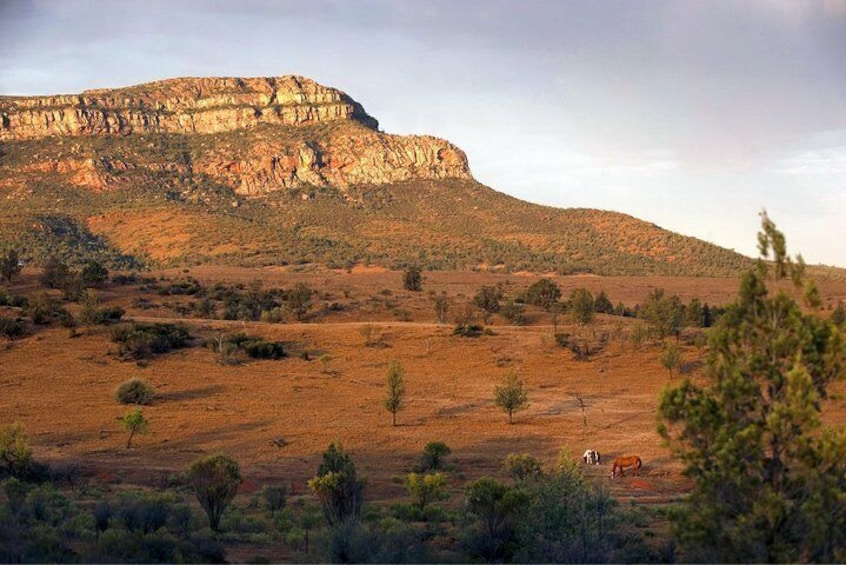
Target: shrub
<point>15,454</point>
<point>468,330</point>
<point>139,341</point>
<point>12,328</point>
<point>215,480</point>
<point>45,309</point>
<point>255,347</point>
<point>135,391</point>
<point>274,498</point>
<point>7,299</point>
<point>432,456</point>
<point>412,279</point>
<point>260,349</point>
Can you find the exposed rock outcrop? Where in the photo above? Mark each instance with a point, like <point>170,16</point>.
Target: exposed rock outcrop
<point>338,144</point>
<point>189,105</point>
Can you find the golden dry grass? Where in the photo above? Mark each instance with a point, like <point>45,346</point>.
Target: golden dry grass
<point>61,388</point>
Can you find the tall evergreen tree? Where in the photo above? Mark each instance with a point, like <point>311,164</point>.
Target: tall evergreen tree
<point>769,480</point>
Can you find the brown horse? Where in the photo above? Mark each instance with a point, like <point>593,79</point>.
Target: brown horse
<point>624,461</point>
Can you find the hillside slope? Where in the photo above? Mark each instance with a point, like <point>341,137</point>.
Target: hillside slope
<point>285,171</point>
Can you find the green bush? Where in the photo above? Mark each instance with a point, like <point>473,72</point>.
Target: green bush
<point>255,347</point>
<point>12,300</point>
<point>15,454</point>
<point>260,349</point>
<point>140,341</point>
<point>44,310</point>
<point>468,330</point>
<point>135,391</point>
<point>12,328</point>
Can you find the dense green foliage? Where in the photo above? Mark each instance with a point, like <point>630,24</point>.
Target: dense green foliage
<point>215,480</point>
<point>543,293</point>
<point>337,486</point>
<point>432,457</point>
<point>769,479</point>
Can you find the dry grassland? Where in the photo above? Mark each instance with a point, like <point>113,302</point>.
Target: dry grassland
<point>277,417</point>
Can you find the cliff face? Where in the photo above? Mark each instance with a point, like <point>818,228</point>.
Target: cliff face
<point>292,132</point>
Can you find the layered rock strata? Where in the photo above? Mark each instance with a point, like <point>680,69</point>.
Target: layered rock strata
<point>339,144</point>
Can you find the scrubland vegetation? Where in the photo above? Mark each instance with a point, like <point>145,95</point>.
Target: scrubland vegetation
<point>408,417</point>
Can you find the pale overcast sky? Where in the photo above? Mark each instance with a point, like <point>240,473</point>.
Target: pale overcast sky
<point>691,114</point>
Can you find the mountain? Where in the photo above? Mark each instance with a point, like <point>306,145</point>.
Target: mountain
<point>282,170</point>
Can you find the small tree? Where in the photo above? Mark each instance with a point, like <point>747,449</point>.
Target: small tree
<point>15,454</point>
<point>134,423</point>
<point>215,480</point>
<point>299,299</point>
<point>55,273</point>
<point>543,293</point>
<point>89,313</point>
<point>10,265</point>
<point>838,317</point>
<point>497,506</point>
<point>582,306</point>
<point>487,299</point>
<point>511,396</point>
<point>432,456</point>
<point>514,312</point>
<point>337,487</point>
<point>671,358</point>
<point>523,466</point>
<point>395,390</point>
<point>602,304</point>
<point>664,314</point>
<point>441,307</point>
<point>94,274</point>
<point>412,279</point>
<point>424,489</point>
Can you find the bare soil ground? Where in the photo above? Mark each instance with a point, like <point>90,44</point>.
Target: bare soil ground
<point>277,417</point>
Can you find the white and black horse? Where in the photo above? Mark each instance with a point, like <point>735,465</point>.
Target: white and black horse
<point>591,457</point>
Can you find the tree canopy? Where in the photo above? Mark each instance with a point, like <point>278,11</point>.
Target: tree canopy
<point>769,479</point>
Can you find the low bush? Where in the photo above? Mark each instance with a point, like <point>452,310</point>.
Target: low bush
<point>44,310</point>
<point>255,347</point>
<point>468,330</point>
<point>135,391</point>
<point>12,300</point>
<point>140,341</point>
<point>12,328</point>
<point>260,349</point>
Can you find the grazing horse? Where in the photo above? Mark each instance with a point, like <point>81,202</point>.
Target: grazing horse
<point>591,457</point>
<point>624,461</point>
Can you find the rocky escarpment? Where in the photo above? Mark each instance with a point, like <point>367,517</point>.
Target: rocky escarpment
<point>256,135</point>
<point>190,105</point>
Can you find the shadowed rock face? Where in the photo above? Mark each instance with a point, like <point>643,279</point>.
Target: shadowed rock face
<point>294,132</point>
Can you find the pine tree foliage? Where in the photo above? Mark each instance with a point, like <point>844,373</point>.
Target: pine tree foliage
<point>769,478</point>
